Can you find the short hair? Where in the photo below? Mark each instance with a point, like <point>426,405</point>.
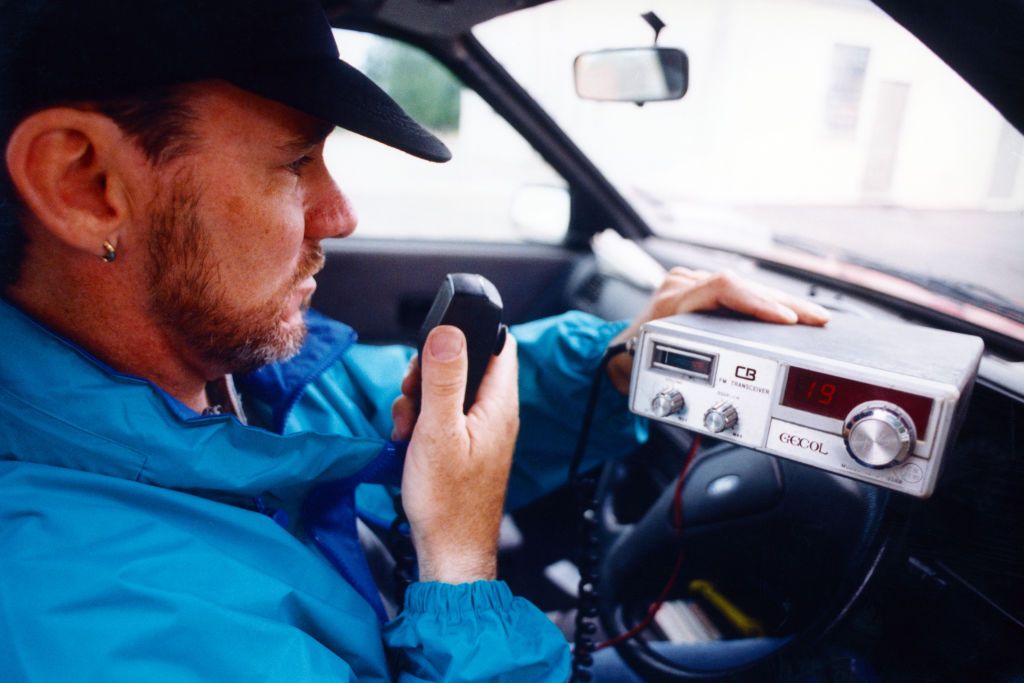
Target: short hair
<point>159,121</point>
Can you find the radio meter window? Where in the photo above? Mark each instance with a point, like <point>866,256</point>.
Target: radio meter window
<point>831,396</point>
<point>698,365</point>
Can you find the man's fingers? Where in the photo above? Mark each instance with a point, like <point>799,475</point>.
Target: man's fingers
<point>809,312</point>
<point>411,381</point>
<point>443,374</point>
<point>742,296</point>
<point>403,415</point>
<point>682,274</point>
<point>721,289</point>
<point>756,303</point>
<point>778,306</point>
<point>499,390</point>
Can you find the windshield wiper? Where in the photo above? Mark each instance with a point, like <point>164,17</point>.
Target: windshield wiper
<point>967,292</point>
<point>808,246</point>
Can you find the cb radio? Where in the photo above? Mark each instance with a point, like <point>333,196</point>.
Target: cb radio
<point>875,400</point>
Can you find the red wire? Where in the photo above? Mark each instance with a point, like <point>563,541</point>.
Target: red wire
<point>677,522</point>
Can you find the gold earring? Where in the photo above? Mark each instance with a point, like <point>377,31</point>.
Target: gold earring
<point>109,253</point>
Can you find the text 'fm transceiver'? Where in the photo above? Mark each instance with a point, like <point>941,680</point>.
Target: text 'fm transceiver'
<point>874,400</point>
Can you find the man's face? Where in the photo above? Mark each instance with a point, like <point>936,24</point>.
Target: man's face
<point>234,232</point>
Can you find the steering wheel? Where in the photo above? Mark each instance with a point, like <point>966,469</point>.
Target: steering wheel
<point>742,511</point>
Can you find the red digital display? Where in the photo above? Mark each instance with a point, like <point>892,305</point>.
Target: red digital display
<point>833,396</point>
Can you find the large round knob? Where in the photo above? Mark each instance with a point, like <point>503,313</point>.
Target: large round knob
<point>879,434</point>
<point>667,403</point>
<point>720,417</point>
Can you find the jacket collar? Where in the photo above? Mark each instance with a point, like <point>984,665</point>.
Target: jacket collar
<point>280,384</point>
<point>61,406</point>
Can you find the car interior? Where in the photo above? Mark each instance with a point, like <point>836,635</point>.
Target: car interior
<point>845,580</point>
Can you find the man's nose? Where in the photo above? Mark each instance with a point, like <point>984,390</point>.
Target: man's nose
<point>331,214</point>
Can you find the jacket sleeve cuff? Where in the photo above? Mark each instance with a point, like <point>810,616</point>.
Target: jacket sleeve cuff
<point>474,632</point>
<point>453,601</point>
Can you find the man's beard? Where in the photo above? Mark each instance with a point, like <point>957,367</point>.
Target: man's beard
<point>187,295</point>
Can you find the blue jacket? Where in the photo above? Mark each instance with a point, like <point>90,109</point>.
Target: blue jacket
<point>141,541</point>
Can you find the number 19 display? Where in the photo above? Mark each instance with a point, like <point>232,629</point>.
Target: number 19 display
<point>831,396</point>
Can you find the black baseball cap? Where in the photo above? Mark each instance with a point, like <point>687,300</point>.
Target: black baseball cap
<point>58,51</point>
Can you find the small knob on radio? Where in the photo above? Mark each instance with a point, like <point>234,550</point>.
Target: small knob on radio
<point>720,417</point>
<point>879,434</point>
<point>667,403</point>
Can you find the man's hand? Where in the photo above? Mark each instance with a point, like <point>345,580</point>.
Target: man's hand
<point>685,291</point>
<point>456,468</point>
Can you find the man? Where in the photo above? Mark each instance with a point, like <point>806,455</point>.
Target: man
<point>166,173</point>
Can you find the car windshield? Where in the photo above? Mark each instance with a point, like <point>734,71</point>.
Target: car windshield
<point>820,125</point>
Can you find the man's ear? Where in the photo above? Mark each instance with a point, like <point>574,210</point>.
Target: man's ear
<point>64,164</point>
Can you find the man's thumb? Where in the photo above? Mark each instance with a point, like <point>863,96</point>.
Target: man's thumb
<point>443,369</point>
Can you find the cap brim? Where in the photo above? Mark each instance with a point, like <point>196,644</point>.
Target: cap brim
<point>338,93</point>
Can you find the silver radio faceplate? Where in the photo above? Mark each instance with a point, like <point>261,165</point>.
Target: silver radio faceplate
<point>874,400</point>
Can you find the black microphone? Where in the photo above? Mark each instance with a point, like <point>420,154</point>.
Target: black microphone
<point>471,303</point>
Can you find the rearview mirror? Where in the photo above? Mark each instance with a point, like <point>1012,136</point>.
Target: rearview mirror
<point>641,74</point>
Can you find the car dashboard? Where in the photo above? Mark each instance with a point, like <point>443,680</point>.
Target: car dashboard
<point>945,600</point>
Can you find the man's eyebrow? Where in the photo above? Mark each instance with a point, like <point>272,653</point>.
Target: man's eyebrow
<point>311,138</point>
